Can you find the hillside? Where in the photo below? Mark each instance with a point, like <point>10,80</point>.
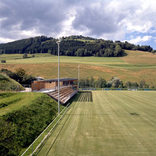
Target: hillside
<point>135,66</point>
<point>23,117</point>
<point>8,84</point>
<point>71,46</point>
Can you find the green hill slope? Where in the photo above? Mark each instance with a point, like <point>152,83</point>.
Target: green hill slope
<point>71,46</point>
<point>23,117</point>
<point>8,84</point>
<point>135,66</point>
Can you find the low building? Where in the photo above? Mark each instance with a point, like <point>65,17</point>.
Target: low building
<point>68,88</point>
<point>53,83</point>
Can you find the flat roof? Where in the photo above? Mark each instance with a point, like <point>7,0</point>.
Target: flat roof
<point>61,79</point>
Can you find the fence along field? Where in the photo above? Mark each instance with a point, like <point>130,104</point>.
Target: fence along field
<point>116,123</point>
<point>85,96</point>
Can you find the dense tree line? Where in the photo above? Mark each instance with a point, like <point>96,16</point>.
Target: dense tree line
<point>71,46</point>
<point>114,82</point>
<point>128,46</point>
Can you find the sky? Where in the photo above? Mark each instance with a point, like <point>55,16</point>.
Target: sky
<point>125,20</point>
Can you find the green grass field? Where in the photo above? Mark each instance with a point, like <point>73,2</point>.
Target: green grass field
<point>116,123</point>
<point>133,67</point>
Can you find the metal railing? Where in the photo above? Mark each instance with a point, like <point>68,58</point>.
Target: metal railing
<point>32,149</point>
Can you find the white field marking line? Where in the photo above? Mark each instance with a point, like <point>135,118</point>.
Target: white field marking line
<point>50,130</point>
<point>43,131</point>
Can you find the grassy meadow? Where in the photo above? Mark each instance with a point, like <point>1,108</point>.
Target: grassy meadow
<point>116,123</point>
<point>23,116</point>
<point>15,101</point>
<point>135,66</point>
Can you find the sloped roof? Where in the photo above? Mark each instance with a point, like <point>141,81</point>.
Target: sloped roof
<point>61,79</point>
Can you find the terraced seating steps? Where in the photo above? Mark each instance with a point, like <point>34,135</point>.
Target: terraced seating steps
<point>65,94</point>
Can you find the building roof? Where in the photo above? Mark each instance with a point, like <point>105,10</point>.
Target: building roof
<point>61,79</point>
<point>39,78</point>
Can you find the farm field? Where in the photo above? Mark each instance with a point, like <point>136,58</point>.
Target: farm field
<point>133,67</point>
<point>116,123</point>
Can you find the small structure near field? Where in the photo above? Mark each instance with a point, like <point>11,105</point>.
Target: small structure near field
<point>68,88</point>
<point>53,83</point>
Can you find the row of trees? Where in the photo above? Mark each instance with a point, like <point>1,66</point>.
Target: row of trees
<point>128,46</point>
<point>19,75</point>
<point>81,48</point>
<point>71,46</point>
<point>23,78</point>
<point>114,82</point>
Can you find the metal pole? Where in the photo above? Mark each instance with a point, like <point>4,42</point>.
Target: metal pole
<point>58,43</point>
<point>78,75</point>
<point>32,149</point>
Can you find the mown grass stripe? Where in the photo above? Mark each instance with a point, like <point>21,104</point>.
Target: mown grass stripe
<point>107,127</point>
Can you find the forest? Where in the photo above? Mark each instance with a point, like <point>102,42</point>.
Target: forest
<point>72,46</point>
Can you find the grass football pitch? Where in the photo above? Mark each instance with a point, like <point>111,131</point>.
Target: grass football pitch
<point>110,123</point>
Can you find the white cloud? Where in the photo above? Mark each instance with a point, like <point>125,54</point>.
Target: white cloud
<point>140,39</point>
<point>108,19</point>
<point>67,28</point>
<point>5,40</point>
<point>138,27</point>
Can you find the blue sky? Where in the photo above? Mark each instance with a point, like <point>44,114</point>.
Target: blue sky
<point>125,20</point>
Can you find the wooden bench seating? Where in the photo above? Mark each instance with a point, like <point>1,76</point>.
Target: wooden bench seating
<point>65,94</point>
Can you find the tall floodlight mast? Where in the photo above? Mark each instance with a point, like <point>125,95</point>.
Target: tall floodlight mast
<point>78,76</point>
<point>58,87</point>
